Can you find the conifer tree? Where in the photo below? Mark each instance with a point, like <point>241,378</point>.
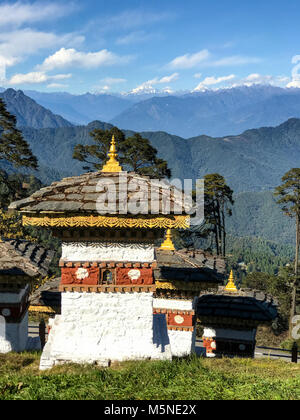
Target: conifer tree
<point>218,199</point>
<point>13,147</point>
<point>288,195</point>
<point>135,153</point>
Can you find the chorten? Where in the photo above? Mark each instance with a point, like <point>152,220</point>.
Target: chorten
<point>116,302</point>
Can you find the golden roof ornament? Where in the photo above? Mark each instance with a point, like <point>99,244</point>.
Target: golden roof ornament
<point>168,245</point>
<point>231,287</point>
<point>112,165</point>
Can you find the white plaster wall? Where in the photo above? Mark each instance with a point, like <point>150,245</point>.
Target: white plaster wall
<point>98,327</point>
<point>93,251</point>
<point>13,337</point>
<point>183,305</point>
<point>13,297</point>
<point>182,342</point>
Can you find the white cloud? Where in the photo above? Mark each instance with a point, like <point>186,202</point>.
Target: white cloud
<point>198,75</point>
<point>259,79</point>
<point>205,59</point>
<point>57,86</point>
<point>133,19</point>
<point>212,81</point>
<point>35,78</point>
<point>134,38</point>
<point>73,58</point>
<point>16,45</point>
<point>236,60</point>
<point>113,80</point>
<point>19,13</point>
<point>148,86</point>
<point>189,61</point>
<point>295,82</point>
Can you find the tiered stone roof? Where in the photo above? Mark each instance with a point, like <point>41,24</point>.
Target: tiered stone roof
<point>189,266</point>
<point>242,308</point>
<point>23,258</point>
<point>80,194</point>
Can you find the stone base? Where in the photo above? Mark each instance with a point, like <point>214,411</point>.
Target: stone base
<point>106,327</point>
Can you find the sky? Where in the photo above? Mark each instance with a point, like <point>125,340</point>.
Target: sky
<point>145,45</point>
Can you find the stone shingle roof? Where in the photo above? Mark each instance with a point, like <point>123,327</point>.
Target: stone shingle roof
<point>80,194</point>
<point>239,307</point>
<point>19,257</point>
<point>47,295</point>
<point>189,265</point>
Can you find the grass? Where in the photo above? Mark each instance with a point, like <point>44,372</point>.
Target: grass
<point>193,378</point>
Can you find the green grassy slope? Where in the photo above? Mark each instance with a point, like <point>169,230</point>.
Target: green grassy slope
<point>190,379</point>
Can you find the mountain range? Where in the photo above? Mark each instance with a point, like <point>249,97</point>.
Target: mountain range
<point>252,162</point>
<point>214,113</point>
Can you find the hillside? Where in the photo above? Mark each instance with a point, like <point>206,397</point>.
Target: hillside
<point>29,113</point>
<point>252,161</point>
<point>215,113</point>
<point>82,109</point>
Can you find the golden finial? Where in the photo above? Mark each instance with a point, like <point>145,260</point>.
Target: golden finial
<point>168,245</point>
<point>231,287</point>
<point>112,165</point>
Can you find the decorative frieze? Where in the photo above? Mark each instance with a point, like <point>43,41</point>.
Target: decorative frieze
<point>108,289</point>
<point>157,222</point>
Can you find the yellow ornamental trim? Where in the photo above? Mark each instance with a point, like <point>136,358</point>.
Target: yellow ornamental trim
<point>184,286</point>
<point>177,222</point>
<point>43,309</point>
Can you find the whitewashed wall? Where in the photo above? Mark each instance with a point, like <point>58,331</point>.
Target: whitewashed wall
<point>99,327</point>
<point>181,305</point>
<point>94,251</point>
<point>13,337</point>
<point>182,342</point>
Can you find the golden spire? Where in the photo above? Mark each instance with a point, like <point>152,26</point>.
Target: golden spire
<point>112,165</point>
<point>168,245</point>
<point>231,287</point>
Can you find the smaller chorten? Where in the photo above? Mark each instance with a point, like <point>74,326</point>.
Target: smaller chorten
<point>112,165</point>
<point>231,287</point>
<point>168,245</point>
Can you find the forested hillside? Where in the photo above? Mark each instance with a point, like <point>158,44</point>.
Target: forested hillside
<point>252,161</point>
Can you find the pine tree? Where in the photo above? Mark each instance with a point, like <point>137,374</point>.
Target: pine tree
<point>218,199</point>
<point>135,153</point>
<point>289,198</point>
<point>13,147</point>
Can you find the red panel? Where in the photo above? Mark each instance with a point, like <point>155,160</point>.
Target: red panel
<point>80,275</point>
<point>180,320</point>
<point>128,276</point>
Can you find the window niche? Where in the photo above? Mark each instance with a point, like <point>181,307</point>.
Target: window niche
<point>107,277</point>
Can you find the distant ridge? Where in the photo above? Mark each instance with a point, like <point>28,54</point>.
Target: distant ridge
<point>214,113</point>
<point>29,113</point>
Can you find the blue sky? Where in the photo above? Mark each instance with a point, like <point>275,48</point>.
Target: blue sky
<point>131,45</point>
